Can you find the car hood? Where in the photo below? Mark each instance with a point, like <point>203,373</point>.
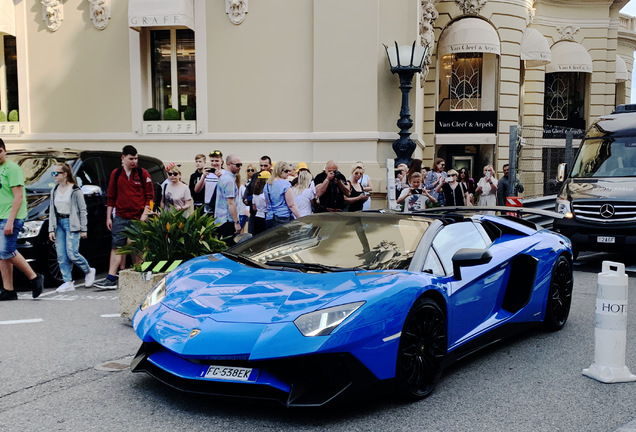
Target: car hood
<point>601,188</point>
<point>226,291</point>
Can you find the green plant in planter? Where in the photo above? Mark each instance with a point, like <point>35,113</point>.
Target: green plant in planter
<point>13,116</point>
<point>170,236</point>
<point>171,114</point>
<point>3,116</point>
<point>152,114</point>
<point>190,114</point>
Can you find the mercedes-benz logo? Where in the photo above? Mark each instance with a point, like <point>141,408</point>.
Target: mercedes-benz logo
<point>607,211</point>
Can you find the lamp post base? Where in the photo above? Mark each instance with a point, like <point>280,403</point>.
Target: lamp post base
<point>403,148</point>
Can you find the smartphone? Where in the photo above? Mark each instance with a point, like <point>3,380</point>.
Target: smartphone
<point>487,175</point>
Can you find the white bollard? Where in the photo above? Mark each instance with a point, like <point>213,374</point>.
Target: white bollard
<point>610,333</point>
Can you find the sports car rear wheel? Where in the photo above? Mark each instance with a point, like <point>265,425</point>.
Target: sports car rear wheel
<point>422,350</point>
<point>560,295</point>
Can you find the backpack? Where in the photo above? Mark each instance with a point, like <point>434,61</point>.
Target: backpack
<point>139,173</point>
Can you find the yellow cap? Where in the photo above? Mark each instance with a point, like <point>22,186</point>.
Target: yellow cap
<point>302,165</point>
<point>264,175</point>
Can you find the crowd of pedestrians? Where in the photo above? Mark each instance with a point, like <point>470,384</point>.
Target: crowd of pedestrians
<point>421,187</point>
<point>272,194</point>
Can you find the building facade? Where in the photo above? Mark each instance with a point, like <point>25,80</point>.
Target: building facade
<point>308,80</point>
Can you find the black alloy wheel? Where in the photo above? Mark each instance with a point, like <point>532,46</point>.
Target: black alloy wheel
<point>422,349</point>
<point>53,273</point>
<point>560,294</point>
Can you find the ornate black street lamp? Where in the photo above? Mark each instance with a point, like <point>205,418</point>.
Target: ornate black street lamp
<point>406,61</point>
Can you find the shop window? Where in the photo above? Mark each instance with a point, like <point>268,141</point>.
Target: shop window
<point>173,69</point>
<point>9,78</point>
<point>461,84</point>
<point>565,100</point>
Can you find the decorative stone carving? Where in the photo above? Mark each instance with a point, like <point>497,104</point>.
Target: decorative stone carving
<point>100,13</point>
<point>52,14</point>
<point>236,10</point>
<point>471,6</point>
<point>568,32</point>
<point>427,33</point>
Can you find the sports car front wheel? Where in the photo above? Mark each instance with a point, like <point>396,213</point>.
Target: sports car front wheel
<point>422,350</point>
<point>560,295</point>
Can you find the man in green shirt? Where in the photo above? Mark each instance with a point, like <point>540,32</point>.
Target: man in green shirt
<point>13,211</point>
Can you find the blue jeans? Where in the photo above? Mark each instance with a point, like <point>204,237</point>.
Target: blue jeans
<point>67,246</point>
<point>8,243</point>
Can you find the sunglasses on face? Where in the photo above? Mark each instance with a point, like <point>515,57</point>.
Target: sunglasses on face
<point>173,174</point>
<point>238,165</point>
<point>287,171</point>
<point>55,173</point>
<point>251,170</point>
<point>452,175</point>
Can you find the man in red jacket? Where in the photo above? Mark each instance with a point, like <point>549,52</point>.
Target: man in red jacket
<point>130,191</point>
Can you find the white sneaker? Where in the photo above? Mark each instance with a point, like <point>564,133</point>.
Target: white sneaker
<point>90,278</point>
<point>66,286</point>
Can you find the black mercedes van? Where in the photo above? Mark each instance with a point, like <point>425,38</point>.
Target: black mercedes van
<point>598,198</point>
<point>92,171</point>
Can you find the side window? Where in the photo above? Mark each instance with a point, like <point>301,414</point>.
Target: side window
<point>454,237</point>
<point>90,173</point>
<point>432,264</point>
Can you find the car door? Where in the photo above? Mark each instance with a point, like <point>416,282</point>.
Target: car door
<point>473,299</point>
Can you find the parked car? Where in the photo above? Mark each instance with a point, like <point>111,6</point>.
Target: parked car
<point>598,198</point>
<point>329,304</point>
<point>92,171</point>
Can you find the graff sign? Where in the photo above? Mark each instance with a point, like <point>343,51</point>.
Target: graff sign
<point>458,122</point>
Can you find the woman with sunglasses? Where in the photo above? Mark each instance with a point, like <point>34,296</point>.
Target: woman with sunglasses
<point>279,196</point>
<point>452,190</point>
<point>487,187</point>
<point>67,224</point>
<point>175,193</point>
<point>469,185</point>
<point>436,177</point>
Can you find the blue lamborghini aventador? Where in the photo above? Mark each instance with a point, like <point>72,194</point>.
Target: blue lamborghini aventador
<point>326,305</point>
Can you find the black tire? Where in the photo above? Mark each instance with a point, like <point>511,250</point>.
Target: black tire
<point>422,350</point>
<point>560,294</point>
<point>52,272</point>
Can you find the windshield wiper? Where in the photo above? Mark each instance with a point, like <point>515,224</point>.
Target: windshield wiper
<point>243,259</point>
<point>310,266</point>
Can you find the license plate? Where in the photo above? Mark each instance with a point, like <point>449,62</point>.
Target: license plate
<point>231,373</point>
<point>602,239</point>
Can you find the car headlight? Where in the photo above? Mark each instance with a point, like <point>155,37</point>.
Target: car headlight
<point>30,229</point>
<point>155,296</point>
<point>565,208</point>
<point>323,322</point>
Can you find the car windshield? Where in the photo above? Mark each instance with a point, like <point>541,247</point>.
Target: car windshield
<point>606,157</point>
<point>337,241</point>
<point>37,169</point>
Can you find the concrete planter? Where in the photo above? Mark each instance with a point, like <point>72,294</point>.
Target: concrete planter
<point>133,289</point>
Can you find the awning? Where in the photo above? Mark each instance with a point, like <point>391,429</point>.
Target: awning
<point>161,13</point>
<point>535,49</point>
<point>469,35</point>
<point>7,17</point>
<point>569,56</point>
<point>621,69</point>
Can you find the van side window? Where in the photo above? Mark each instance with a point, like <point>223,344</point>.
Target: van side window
<point>90,173</point>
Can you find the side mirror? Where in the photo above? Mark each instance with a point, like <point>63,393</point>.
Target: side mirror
<point>91,190</point>
<point>469,257</point>
<point>562,172</point>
